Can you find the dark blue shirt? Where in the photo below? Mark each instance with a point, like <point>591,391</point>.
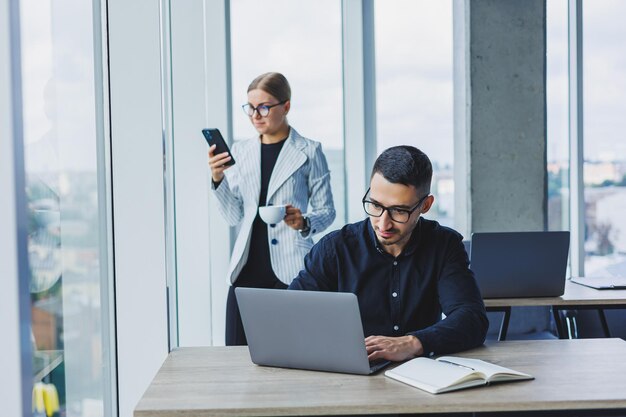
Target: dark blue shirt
<point>405,294</point>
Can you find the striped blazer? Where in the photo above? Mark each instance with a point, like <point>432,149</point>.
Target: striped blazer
<point>300,178</point>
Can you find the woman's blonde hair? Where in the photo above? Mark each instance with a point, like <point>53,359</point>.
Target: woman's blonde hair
<point>273,83</point>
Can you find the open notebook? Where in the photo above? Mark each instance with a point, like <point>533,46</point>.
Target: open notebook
<point>450,373</point>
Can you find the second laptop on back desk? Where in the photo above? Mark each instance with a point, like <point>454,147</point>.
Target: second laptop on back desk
<point>520,264</point>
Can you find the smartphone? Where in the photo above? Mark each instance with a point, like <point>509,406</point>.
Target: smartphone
<point>214,137</point>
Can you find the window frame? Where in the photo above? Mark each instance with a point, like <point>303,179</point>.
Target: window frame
<point>16,359</point>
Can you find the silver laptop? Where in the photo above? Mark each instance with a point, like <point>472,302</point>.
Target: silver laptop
<point>305,329</point>
<point>520,264</point>
<point>602,283</point>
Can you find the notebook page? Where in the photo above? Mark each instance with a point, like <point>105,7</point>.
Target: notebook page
<point>432,373</point>
<point>486,368</point>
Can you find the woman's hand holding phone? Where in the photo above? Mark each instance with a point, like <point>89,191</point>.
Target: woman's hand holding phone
<point>217,163</point>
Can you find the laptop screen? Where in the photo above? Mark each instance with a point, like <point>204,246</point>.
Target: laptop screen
<point>304,329</point>
<point>520,264</point>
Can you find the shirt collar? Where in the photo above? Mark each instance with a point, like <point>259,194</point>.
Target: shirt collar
<point>410,247</point>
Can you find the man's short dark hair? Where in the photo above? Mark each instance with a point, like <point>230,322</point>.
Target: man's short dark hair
<point>405,165</point>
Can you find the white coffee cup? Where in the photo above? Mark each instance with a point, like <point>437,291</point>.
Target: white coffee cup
<point>272,214</point>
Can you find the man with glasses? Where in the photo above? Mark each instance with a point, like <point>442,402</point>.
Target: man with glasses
<point>405,270</point>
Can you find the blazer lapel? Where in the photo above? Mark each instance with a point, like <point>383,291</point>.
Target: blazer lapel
<point>289,160</point>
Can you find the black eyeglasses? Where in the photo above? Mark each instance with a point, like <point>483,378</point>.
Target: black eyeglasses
<point>398,215</point>
<point>262,109</point>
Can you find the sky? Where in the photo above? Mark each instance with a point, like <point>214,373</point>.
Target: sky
<point>303,40</point>
<point>604,75</point>
<point>604,80</point>
<point>414,90</point>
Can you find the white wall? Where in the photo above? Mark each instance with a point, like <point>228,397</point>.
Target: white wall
<point>138,205</point>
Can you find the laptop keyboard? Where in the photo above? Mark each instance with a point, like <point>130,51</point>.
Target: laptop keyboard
<point>378,364</point>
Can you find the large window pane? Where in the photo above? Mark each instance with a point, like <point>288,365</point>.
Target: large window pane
<point>414,91</point>
<point>557,112</point>
<point>605,146</point>
<point>67,249</point>
<point>301,40</point>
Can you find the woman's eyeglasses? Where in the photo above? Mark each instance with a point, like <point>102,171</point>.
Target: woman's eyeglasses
<point>263,110</point>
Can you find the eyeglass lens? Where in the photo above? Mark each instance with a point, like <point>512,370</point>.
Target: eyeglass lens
<point>250,109</point>
<point>400,216</point>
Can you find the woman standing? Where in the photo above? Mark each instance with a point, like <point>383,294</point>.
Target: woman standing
<point>277,167</point>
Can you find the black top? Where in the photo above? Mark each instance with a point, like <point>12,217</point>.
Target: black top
<point>258,270</point>
<point>406,294</point>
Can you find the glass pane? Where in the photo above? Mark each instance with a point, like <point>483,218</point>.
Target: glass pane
<point>67,251</point>
<point>414,91</point>
<point>557,115</point>
<point>604,127</point>
<point>301,40</point>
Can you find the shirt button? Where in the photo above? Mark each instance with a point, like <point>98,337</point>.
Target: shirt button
<point>274,242</point>
<point>396,328</point>
<point>272,225</point>
<point>395,263</point>
<point>394,294</point>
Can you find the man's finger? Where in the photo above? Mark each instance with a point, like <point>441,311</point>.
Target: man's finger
<point>374,347</point>
<point>373,339</point>
<point>375,355</point>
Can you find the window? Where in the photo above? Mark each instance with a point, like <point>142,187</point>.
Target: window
<point>604,147</point>
<point>301,40</point>
<point>66,237</point>
<point>414,90</point>
<point>557,115</point>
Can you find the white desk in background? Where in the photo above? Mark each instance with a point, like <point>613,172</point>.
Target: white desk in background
<point>575,297</point>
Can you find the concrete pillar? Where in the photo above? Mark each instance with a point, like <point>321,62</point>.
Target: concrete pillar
<point>500,115</point>
<point>500,126</point>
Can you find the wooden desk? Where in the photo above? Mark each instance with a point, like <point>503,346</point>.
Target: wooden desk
<point>575,297</point>
<point>585,374</point>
